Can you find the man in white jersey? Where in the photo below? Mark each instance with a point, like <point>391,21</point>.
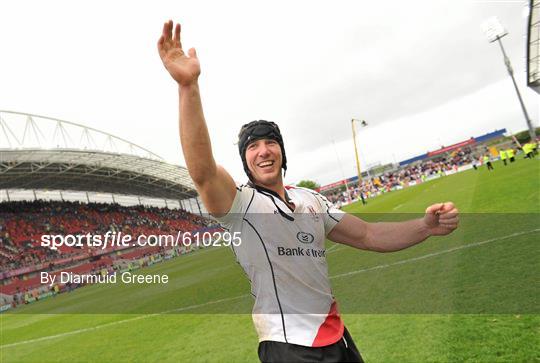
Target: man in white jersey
<point>283,230</point>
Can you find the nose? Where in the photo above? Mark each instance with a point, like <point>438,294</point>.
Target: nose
<point>263,151</point>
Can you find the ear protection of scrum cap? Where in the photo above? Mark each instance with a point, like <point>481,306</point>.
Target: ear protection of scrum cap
<point>256,130</point>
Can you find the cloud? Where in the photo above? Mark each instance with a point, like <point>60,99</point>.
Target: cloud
<point>310,66</point>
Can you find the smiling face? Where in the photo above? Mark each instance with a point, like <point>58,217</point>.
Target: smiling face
<point>264,162</point>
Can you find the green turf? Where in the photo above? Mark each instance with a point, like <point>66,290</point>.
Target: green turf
<point>474,303</point>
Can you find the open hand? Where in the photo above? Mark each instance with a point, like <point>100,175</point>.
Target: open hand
<point>185,69</point>
<point>441,218</point>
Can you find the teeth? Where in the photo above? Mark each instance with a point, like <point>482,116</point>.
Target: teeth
<point>266,163</point>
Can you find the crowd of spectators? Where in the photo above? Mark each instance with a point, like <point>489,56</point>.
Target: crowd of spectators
<point>409,174</point>
<point>22,223</point>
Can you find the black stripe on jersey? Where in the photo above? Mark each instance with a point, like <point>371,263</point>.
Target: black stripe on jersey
<point>269,192</point>
<point>243,270</point>
<point>331,216</point>
<point>273,280</point>
<point>281,212</point>
<point>249,204</point>
<point>234,251</point>
<point>232,246</point>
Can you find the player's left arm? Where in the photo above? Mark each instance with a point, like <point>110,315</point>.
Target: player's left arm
<point>440,219</point>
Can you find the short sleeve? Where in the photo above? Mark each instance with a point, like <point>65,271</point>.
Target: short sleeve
<point>331,215</point>
<point>241,201</point>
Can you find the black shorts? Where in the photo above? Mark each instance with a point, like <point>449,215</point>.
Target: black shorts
<point>343,350</point>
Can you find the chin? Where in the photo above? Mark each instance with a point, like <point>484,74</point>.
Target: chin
<point>268,179</point>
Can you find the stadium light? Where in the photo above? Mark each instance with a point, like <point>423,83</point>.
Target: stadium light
<point>494,31</point>
<point>363,123</point>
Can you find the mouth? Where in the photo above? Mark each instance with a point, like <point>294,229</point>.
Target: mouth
<point>267,164</point>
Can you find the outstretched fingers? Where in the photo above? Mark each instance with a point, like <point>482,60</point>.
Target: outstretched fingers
<point>167,30</point>
<point>167,40</point>
<point>165,34</point>
<point>176,38</point>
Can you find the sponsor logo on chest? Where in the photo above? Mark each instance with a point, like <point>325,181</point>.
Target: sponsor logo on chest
<point>305,237</point>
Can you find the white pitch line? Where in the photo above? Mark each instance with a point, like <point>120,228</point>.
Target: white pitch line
<point>332,248</point>
<point>475,244</point>
<point>397,206</point>
<point>49,337</point>
<point>335,248</point>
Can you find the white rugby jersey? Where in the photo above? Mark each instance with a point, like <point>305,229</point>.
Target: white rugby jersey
<point>283,254</point>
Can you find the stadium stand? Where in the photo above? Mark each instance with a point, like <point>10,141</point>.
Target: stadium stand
<point>446,160</point>
<point>404,176</point>
<point>93,182</point>
<point>22,223</point>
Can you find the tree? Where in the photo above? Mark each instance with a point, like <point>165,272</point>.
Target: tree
<point>523,136</point>
<point>310,184</point>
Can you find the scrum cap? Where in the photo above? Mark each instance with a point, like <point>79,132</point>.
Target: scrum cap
<point>256,130</point>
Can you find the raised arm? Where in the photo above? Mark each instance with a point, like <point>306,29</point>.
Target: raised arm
<point>214,184</point>
<point>440,219</point>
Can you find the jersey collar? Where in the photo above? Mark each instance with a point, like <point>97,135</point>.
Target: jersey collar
<point>273,195</point>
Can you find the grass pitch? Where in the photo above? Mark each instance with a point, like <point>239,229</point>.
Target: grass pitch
<point>471,296</point>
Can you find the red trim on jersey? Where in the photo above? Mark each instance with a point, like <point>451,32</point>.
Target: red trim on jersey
<point>331,330</point>
<point>289,187</point>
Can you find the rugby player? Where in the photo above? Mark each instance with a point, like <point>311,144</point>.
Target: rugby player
<point>283,230</point>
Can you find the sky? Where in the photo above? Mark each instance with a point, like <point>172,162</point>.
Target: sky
<point>421,73</point>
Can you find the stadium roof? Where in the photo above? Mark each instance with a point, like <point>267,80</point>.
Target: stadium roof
<point>27,160</point>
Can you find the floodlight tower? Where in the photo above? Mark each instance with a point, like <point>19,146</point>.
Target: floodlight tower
<point>494,31</point>
<point>363,123</point>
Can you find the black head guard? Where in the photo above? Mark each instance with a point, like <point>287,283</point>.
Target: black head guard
<point>256,130</point>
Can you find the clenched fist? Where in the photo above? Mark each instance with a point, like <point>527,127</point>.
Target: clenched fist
<point>441,218</point>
